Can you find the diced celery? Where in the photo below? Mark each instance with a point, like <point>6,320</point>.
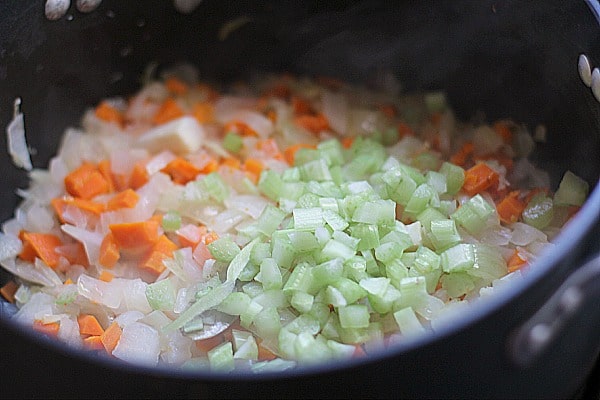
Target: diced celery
<point>426,161</point>
<point>355,268</point>
<point>223,249</point>
<point>395,270</point>
<point>415,295</point>
<point>320,311</point>
<point>282,252</point>
<point>457,284</point>
<point>270,274</point>
<point>331,151</point>
<point>489,264</point>
<point>259,252</point>
<point>309,350</point>
<point>334,220</point>
<point>331,328</point>
<point>291,175</point>
<point>247,317</point>
<point>340,350</point>
<point>215,187</point>
<point>303,241</point>
<point>351,290</point>
<point>460,257</point>
<point>246,349</point>
<point>372,266</point>
<point>354,316</point>
<point>194,325</point>
<point>384,303</point>
<point>368,235</point>
<point>276,365</point>
<point>233,142</point>
<point>161,295</point>
<point>286,340</point>
<point>455,177</point>
<point>427,216</point>
<point>386,252</point>
<point>253,289</point>
<point>171,221</point>
<point>361,166</point>
<point>305,155</point>
<point>444,234</point>
<point>420,200</point>
<point>272,298</point>
<point>375,286</point>
<point>235,304</point>
<point>572,190</point>
<point>293,190</point>
<point>329,204</point>
<point>326,273</point>
<point>220,358</point>
<point>308,218</point>
<point>426,260</point>
<point>335,297</point>
<point>271,184</point>
<point>302,301</point>
<point>323,235</point>
<point>300,280</point>
<point>316,170</point>
<point>334,249</point>
<point>437,181</point>
<point>378,212</point>
<point>267,323</point>
<point>408,322</point>
<point>539,211</point>
<point>473,214</point>
<point>304,323</point>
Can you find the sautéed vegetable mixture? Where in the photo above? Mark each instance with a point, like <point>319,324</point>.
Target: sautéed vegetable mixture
<point>281,223</point>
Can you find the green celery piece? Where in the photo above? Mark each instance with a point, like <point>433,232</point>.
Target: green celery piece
<point>458,258</point>
<point>271,184</point>
<point>572,190</point>
<point>233,142</point>
<point>215,187</point>
<point>377,212</point>
<point>161,295</point>
<point>539,211</point>
<point>223,249</point>
<point>368,234</point>
<point>316,170</point>
<point>354,316</point>
<point>455,177</point>
<point>220,358</point>
<point>457,284</point>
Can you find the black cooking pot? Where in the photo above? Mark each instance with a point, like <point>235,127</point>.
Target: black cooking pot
<point>495,59</point>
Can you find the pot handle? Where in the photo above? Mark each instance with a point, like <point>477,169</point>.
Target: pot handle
<point>531,339</point>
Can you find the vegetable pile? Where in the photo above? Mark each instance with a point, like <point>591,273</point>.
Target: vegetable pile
<point>283,223</point>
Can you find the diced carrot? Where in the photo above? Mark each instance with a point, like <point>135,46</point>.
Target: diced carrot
<point>405,130</point>
<point>503,129</point>
<point>211,93</point>
<point>510,208</point>
<point>109,251</point>
<point>106,276</point>
<point>168,111</point>
<point>69,281</point>
<point>181,171</point>
<point>240,128</point>
<point>265,354</point>
<point>205,345</point>
<point>389,110</point>
<point>132,235</point>
<point>231,162</point>
<point>110,337</point>
<point>254,166</point>
<point>176,86</point>
<point>190,235</point>
<point>86,182</point>
<point>105,170</point>
<point>40,245</point>
<point>8,291</point>
<point>210,237</point>
<point>89,325</point>
<point>270,148</point>
<point>280,90</point>
<point>272,115</point>
<point>211,166</point>
<point>108,113</point>
<point>479,178</point>
<point>50,329</point>
<point>358,351</point>
<point>162,249</point>
<point>125,199</point>
<point>461,156</point>
<point>312,123</point>
<point>93,343</point>
<point>347,142</point>
<point>74,253</point>
<point>515,261</point>
<point>203,112</point>
<point>290,152</point>
<point>139,177</point>
<point>88,206</point>
<point>301,106</point>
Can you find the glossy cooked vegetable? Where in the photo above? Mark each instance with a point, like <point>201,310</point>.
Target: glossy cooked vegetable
<point>284,223</point>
